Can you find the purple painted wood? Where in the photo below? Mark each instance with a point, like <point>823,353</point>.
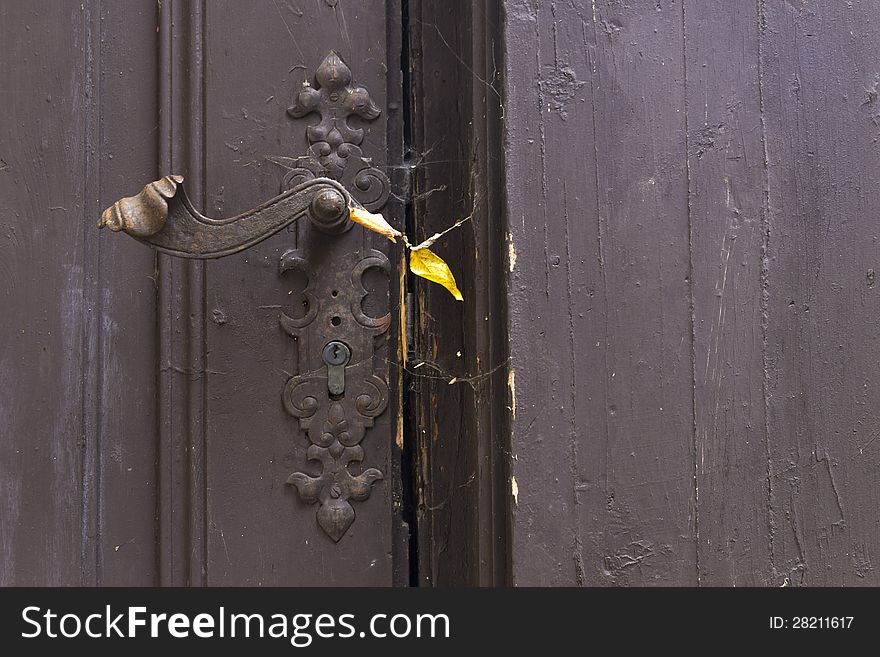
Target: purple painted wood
<point>690,205</point>
<point>143,435</point>
<point>258,530</point>
<point>725,156</point>
<point>77,413</point>
<point>682,208</point>
<point>819,82</point>
<point>600,334</point>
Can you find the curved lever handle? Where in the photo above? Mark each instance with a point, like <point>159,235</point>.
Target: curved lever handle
<point>162,217</point>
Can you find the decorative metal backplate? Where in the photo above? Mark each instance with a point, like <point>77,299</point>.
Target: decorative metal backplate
<point>334,145</point>
<point>334,411</point>
<point>336,424</point>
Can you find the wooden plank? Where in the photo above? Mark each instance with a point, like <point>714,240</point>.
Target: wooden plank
<point>445,456</point>
<point>123,284</point>
<point>457,362</point>
<point>182,523</point>
<point>726,174</point>
<point>819,66</point>
<point>76,417</point>
<point>43,280</point>
<point>601,381</point>
<point>259,532</point>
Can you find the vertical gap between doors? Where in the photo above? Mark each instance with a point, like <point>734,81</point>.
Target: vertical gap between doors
<point>408,466</point>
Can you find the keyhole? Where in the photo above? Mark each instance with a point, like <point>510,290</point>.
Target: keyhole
<point>336,353</point>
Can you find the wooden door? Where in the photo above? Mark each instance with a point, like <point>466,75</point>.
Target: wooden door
<point>663,369</point>
<point>692,201</point>
<point>144,436</point>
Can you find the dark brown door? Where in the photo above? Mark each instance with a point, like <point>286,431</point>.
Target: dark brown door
<point>145,439</point>
<point>170,421</point>
<point>692,199</point>
<point>664,367</point>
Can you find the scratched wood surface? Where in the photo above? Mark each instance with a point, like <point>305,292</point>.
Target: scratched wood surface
<point>78,325</point>
<point>259,531</point>
<point>820,78</point>
<point>142,435</point>
<point>692,199</point>
<point>690,202</point>
<point>456,370</point>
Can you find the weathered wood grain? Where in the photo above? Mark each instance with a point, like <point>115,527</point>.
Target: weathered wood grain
<point>445,454</point>
<point>181,513</point>
<point>125,276</point>
<point>77,411</point>
<point>259,531</point>
<point>690,199</point>
<point>599,301</point>
<point>719,266</point>
<point>457,368</point>
<point>725,155</point>
<point>819,82</point>
<point>142,442</point>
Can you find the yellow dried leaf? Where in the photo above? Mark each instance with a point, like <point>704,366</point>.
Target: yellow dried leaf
<point>374,222</point>
<point>427,264</point>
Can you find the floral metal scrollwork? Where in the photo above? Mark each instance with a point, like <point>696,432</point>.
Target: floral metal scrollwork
<point>335,425</point>
<point>334,144</point>
<point>334,412</point>
<point>335,422</point>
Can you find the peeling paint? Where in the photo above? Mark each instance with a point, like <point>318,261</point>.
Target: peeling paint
<point>402,348</point>
<point>558,86</point>
<point>511,385</point>
<point>514,490</point>
<point>511,252</point>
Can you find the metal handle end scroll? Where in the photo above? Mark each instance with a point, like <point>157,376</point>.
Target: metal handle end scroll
<point>145,213</point>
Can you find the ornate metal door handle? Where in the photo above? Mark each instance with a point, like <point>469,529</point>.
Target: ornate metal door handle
<point>163,217</point>
<point>339,393</point>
